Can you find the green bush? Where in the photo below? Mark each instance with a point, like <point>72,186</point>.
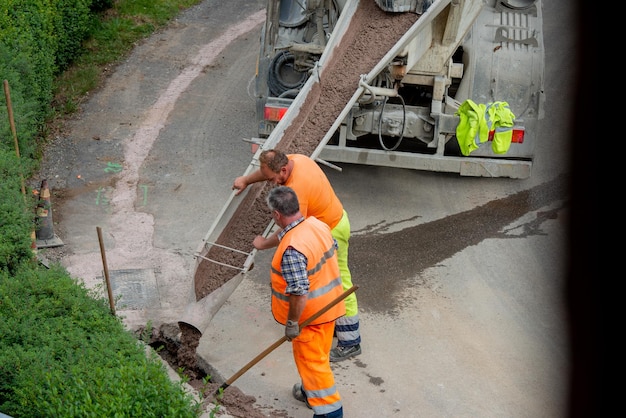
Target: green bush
<point>28,116</point>
<point>30,46</point>
<point>75,20</point>
<point>16,217</point>
<point>101,5</point>
<point>63,354</point>
<point>36,37</point>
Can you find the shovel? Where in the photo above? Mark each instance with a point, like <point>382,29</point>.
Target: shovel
<point>281,340</point>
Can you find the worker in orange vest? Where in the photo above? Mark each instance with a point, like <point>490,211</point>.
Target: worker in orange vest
<point>305,278</point>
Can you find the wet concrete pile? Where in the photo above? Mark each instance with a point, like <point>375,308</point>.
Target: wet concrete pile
<point>167,341</point>
<point>176,351</point>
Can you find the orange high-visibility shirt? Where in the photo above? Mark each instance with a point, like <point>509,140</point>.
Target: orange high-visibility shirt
<point>315,193</point>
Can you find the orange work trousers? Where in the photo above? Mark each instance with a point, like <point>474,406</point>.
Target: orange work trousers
<point>310,351</point>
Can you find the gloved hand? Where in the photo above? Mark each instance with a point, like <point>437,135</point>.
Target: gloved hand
<point>292,329</point>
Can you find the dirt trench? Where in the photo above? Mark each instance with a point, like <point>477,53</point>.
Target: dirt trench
<point>170,343</point>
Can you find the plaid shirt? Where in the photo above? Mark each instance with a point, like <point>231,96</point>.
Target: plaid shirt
<point>293,266</point>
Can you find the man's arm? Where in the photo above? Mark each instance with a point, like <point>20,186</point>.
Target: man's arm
<point>296,307</point>
<point>294,270</point>
<point>242,182</point>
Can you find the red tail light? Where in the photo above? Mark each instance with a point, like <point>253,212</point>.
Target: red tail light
<point>274,114</point>
<point>518,136</point>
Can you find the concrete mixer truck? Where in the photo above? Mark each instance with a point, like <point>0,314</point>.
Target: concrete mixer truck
<point>485,51</point>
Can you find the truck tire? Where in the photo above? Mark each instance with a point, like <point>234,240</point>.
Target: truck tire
<point>283,76</point>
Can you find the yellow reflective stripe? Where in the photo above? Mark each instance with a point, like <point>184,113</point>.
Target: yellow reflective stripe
<point>325,289</point>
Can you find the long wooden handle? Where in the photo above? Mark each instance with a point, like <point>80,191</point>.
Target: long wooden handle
<point>272,347</point>
<point>106,270</point>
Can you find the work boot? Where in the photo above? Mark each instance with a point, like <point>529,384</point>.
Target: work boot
<point>335,414</point>
<point>341,353</point>
<point>299,394</point>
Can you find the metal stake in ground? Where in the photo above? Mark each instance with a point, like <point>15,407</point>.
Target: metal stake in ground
<point>272,347</point>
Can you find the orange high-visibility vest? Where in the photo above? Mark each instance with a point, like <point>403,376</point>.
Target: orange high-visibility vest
<point>315,193</point>
<point>312,238</point>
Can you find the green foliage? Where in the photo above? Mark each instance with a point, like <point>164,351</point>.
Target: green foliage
<point>75,21</point>
<point>146,333</point>
<point>101,5</point>
<point>38,39</point>
<point>52,53</point>
<point>62,353</point>
<point>218,397</point>
<point>112,37</point>
<point>30,45</point>
<point>16,215</point>
<point>25,106</point>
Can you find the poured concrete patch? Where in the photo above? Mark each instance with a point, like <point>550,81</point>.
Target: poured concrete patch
<point>135,288</point>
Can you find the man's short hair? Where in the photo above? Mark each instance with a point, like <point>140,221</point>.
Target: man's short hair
<point>273,159</point>
<point>284,200</point>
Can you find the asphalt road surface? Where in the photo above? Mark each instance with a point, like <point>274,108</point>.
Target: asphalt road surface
<point>461,280</point>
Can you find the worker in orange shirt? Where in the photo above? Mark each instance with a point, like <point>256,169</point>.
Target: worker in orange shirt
<point>317,198</point>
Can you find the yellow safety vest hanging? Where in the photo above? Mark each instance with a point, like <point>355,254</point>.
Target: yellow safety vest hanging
<point>477,121</point>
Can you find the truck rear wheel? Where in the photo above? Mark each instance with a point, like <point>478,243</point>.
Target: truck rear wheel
<point>283,76</point>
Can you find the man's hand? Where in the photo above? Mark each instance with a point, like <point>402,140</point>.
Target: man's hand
<point>259,242</point>
<point>262,243</point>
<point>240,184</point>
<point>292,329</point>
